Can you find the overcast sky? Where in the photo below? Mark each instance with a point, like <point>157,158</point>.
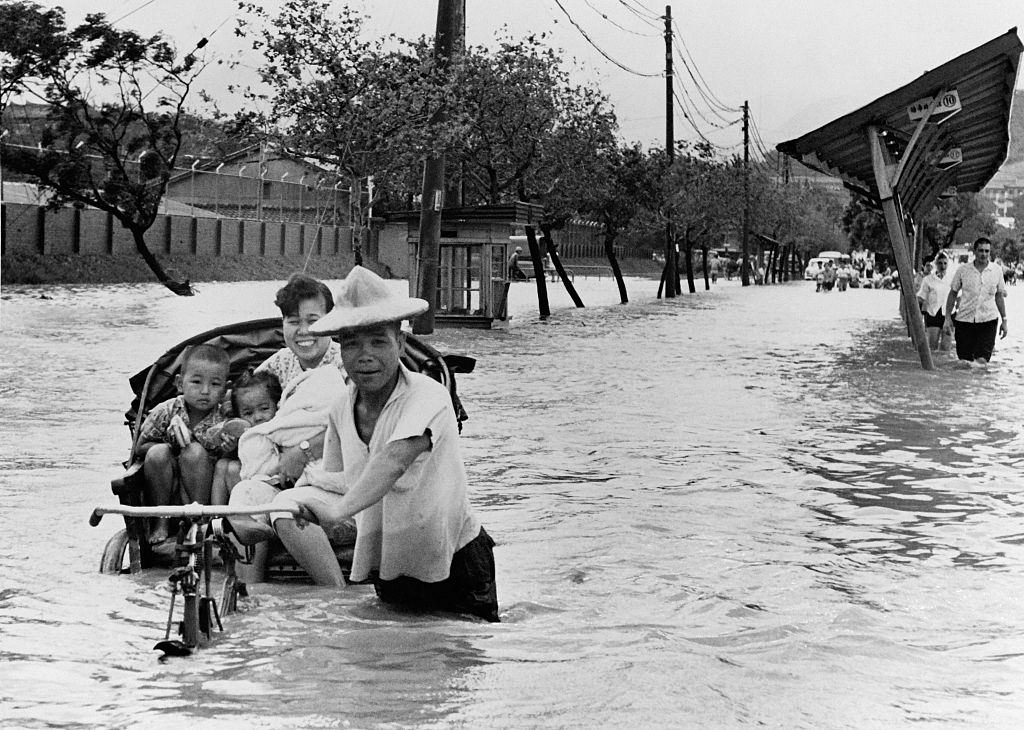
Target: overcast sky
<point>800,63</point>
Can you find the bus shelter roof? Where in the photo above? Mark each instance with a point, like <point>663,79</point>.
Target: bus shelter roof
<point>965,144</point>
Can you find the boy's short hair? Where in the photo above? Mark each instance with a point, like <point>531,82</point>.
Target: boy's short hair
<point>982,240</point>
<point>298,289</point>
<point>205,353</point>
<point>250,380</point>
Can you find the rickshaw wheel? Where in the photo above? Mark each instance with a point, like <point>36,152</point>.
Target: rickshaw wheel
<point>114,560</point>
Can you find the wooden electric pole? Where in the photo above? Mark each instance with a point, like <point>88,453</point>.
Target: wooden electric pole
<point>745,268</point>
<point>670,276</point>
<point>449,41</point>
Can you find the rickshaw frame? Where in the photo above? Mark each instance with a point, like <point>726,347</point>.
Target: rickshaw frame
<point>248,343</point>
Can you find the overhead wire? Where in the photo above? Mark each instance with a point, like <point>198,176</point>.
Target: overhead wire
<point>716,108</point>
<point>601,50</point>
<point>132,12</point>
<point>678,83</point>
<point>617,25</point>
<point>682,41</point>
<point>637,4</point>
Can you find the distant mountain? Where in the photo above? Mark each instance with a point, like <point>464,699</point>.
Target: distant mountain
<point>1016,151</point>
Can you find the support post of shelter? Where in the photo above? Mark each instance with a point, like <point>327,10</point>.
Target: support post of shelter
<point>884,170</point>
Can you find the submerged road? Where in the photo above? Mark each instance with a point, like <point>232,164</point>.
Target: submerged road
<point>746,506</point>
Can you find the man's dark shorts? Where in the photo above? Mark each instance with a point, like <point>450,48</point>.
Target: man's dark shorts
<point>469,588</point>
<point>934,320</point>
<point>975,339</point>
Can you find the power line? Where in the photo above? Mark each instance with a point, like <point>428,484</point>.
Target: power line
<point>646,10</point>
<point>682,41</point>
<point>678,82</point>
<point>617,25</point>
<point>598,48</point>
<point>716,108</point>
<point>132,12</point>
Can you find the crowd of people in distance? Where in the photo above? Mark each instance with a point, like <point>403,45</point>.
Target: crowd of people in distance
<point>859,274</point>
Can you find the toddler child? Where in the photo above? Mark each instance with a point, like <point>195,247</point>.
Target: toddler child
<point>254,397</point>
<point>177,434</point>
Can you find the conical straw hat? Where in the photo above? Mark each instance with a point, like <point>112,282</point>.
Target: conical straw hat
<point>365,300</point>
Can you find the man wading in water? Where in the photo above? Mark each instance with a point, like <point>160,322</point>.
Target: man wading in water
<point>981,288</point>
<point>395,436</point>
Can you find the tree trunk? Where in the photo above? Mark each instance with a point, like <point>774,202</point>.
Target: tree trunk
<point>538,273</point>
<point>689,263</point>
<point>704,264</point>
<point>181,288</point>
<point>675,266</point>
<point>550,245</point>
<point>609,251</point>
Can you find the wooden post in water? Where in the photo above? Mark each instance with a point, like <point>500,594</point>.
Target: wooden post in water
<point>609,251</point>
<point>885,168</point>
<point>449,40</point>
<point>538,273</point>
<point>550,245</point>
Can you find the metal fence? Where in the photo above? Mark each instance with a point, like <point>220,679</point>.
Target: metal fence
<point>314,199</point>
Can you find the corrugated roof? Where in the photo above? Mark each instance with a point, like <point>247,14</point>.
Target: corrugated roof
<point>983,78</point>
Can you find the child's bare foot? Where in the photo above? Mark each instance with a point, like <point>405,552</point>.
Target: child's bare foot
<point>160,532</point>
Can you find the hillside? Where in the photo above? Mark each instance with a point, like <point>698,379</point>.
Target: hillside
<point>1016,151</point>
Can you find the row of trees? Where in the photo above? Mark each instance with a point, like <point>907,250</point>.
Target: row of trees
<point>510,119</point>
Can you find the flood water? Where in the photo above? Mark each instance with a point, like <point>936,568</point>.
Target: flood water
<point>748,506</point>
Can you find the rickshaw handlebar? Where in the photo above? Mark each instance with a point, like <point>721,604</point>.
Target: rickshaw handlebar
<point>192,511</point>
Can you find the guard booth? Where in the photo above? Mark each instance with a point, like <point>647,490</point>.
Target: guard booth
<point>944,133</point>
<point>472,278</point>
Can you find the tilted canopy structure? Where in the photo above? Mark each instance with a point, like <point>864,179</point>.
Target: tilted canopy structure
<point>943,133</point>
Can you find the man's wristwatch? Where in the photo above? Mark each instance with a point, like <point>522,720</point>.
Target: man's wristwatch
<point>304,446</point>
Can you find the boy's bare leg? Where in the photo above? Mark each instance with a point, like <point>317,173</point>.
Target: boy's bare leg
<point>196,467</point>
<point>219,489</point>
<point>234,474</point>
<point>159,470</point>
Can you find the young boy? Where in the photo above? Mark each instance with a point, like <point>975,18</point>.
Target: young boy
<point>396,438</point>
<point>177,434</point>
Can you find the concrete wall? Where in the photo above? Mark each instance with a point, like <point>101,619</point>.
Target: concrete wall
<point>29,229</point>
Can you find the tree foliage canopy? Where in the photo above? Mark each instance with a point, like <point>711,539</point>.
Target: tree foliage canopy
<point>114,100</point>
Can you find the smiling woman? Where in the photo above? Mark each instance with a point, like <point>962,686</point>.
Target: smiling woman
<point>303,301</point>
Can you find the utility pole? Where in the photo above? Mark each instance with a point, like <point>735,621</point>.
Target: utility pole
<point>670,249</point>
<point>449,41</point>
<point>745,268</point>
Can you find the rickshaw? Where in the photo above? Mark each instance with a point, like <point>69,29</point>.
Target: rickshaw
<point>202,529</point>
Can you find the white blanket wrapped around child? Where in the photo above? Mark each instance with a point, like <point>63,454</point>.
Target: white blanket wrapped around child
<point>303,413</point>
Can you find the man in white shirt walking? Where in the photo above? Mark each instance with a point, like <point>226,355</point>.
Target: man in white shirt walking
<point>981,289</point>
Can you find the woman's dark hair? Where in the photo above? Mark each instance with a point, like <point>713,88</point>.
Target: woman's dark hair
<point>298,289</point>
<point>250,380</point>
